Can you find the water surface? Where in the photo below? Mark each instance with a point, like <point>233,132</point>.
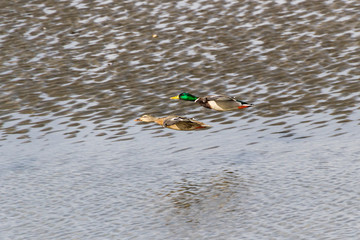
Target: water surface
<point>75,74</point>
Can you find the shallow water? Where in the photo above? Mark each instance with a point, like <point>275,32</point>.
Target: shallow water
<point>75,74</point>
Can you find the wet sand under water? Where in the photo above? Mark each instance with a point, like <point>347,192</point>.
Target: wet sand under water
<point>75,74</point>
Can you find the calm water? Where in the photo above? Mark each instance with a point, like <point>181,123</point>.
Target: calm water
<point>75,74</point>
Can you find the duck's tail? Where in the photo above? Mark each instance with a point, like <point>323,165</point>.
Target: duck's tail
<point>203,126</point>
<point>244,104</point>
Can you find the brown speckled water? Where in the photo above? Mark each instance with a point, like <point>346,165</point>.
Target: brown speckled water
<point>75,74</point>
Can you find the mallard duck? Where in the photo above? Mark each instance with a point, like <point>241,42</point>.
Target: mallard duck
<point>175,122</point>
<point>216,102</point>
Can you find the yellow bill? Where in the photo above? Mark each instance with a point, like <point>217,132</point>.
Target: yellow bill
<point>176,97</point>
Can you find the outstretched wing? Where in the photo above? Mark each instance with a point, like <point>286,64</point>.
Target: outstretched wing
<point>220,98</point>
<point>174,120</point>
<point>180,122</point>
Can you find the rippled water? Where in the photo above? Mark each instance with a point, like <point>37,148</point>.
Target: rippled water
<point>75,74</point>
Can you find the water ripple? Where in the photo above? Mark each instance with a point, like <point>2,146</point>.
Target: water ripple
<point>77,70</point>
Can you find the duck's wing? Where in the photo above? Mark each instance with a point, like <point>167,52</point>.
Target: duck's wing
<point>181,123</point>
<point>227,102</point>
<point>219,103</point>
<point>220,98</point>
<point>171,120</point>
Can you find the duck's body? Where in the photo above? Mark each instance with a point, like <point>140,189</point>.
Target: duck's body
<point>175,122</point>
<point>216,102</point>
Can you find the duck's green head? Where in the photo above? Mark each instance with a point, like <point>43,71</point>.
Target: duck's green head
<point>185,96</point>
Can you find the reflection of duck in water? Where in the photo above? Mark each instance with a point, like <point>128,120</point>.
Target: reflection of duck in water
<point>219,103</point>
<point>175,122</point>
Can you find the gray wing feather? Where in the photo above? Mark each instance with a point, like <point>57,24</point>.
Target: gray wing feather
<point>220,98</point>
<point>174,120</point>
<point>181,122</point>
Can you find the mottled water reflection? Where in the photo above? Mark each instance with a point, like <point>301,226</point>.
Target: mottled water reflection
<point>213,194</point>
<point>75,74</point>
<point>102,67</point>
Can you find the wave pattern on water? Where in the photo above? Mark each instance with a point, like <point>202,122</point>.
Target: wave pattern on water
<point>76,71</point>
<point>83,68</point>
